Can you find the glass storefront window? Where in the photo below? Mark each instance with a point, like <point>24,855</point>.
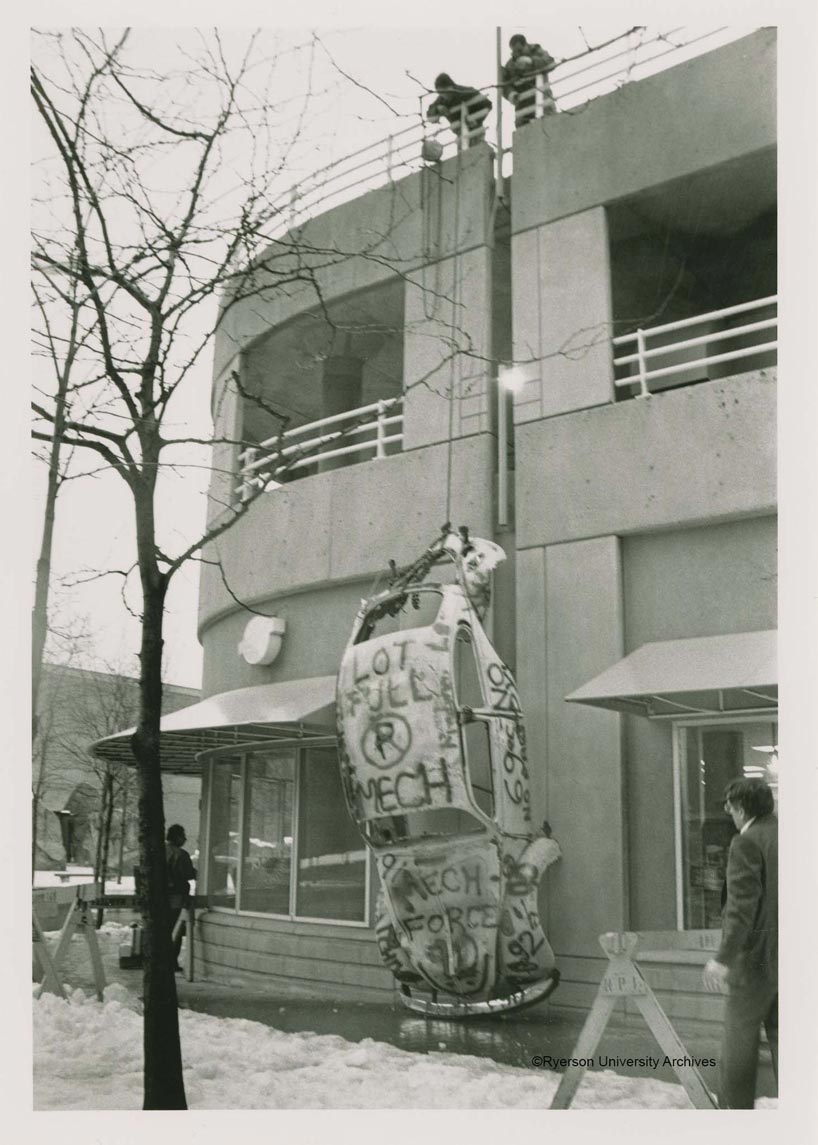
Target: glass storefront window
<point>267,838</point>
<point>711,755</point>
<point>223,852</point>
<point>301,854</point>
<point>331,879</point>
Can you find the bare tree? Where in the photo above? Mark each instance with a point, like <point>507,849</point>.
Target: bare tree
<point>59,333</point>
<point>106,702</point>
<point>161,189</point>
<point>41,769</point>
<point>48,752</point>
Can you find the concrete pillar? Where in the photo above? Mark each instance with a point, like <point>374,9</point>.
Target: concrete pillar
<point>341,387</point>
<point>531,672</point>
<point>561,291</point>
<point>584,767</point>
<point>447,350</point>
<point>227,425</point>
<point>341,384</point>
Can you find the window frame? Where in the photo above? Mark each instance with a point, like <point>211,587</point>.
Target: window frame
<point>242,755</point>
<point>680,727</point>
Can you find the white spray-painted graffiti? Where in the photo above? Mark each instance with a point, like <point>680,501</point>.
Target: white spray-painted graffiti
<point>449,824</point>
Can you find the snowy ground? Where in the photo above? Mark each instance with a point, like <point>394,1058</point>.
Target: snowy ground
<point>88,1055</point>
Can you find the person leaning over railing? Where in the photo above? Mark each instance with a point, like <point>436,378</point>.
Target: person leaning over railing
<point>464,108</point>
<point>519,77</point>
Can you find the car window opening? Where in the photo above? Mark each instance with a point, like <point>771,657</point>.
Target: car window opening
<point>442,822</point>
<point>419,605</point>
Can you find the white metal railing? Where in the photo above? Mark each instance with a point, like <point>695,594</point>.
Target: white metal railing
<point>598,72</point>
<point>640,54</point>
<point>375,165</point>
<point>374,427</point>
<point>681,358</point>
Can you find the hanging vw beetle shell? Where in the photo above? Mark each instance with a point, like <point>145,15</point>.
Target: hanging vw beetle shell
<point>433,762</point>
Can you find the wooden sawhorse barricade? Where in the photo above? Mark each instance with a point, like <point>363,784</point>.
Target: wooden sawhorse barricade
<point>47,906</point>
<point>624,979</point>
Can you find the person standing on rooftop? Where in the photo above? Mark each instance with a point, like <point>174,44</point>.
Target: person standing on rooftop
<point>520,77</point>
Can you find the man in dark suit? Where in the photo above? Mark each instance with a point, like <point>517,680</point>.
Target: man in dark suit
<point>747,961</point>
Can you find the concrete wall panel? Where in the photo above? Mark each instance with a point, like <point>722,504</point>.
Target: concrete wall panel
<point>675,123</point>
<point>651,824</point>
<point>700,582</point>
<point>364,242</point>
<point>318,622</point>
<point>447,349</point>
<point>681,583</point>
<point>562,316</point>
<point>348,523</point>
<point>584,752</point>
<point>693,454</point>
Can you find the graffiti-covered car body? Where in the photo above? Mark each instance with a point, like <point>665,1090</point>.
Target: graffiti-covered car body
<point>432,749</point>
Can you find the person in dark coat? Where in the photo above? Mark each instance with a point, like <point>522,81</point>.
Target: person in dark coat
<point>180,871</point>
<point>461,106</point>
<point>519,79</point>
<point>746,964</point>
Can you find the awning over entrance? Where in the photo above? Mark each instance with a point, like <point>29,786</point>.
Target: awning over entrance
<point>234,719</point>
<point>707,675</point>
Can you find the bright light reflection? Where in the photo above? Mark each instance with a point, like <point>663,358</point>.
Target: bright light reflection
<point>512,378</point>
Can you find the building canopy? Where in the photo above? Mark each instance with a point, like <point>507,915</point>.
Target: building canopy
<point>255,715</point>
<point>707,675</point>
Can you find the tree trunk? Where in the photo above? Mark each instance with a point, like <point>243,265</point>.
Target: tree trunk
<point>163,1080</point>
<point>103,801</point>
<point>36,801</point>
<point>39,615</point>
<point>105,834</point>
<point>123,825</point>
<point>35,814</point>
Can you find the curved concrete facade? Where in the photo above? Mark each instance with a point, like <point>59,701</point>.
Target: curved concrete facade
<point>300,546</point>
<point>432,233</point>
<point>363,243</point>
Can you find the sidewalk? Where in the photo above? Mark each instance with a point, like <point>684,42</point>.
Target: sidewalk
<point>512,1039</point>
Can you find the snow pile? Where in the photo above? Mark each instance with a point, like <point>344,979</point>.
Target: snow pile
<point>118,930</point>
<point>88,1055</point>
<point>109,933</point>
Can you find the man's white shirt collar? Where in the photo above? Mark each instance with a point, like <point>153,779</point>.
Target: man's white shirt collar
<point>747,824</point>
